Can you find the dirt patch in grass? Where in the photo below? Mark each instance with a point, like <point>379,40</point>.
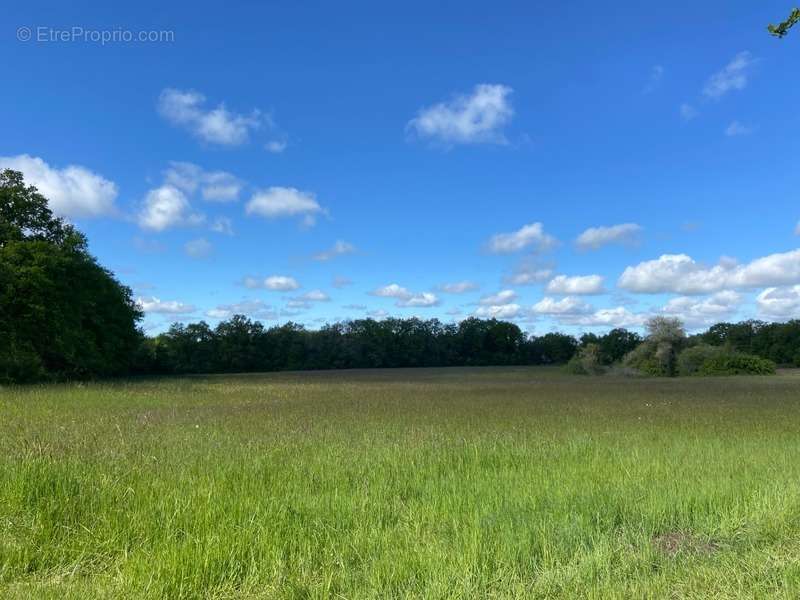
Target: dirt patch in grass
<point>674,542</point>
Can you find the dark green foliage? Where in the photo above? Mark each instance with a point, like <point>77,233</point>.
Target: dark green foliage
<point>778,342</point>
<point>614,345</point>
<point>241,345</point>
<point>735,363</point>
<point>692,359</point>
<point>61,314</point>
<point>781,29</point>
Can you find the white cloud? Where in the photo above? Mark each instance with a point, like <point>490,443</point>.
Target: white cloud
<point>216,126</point>
<point>214,186</point>
<point>467,119</point>
<point>166,207</point>
<point>281,283</point>
<point>275,283</point>
<point>656,74</point>
<point>734,76</point>
<point>340,248</point>
<point>222,225</point>
<point>151,304</point>
<point>458,287</point>
<point>500,311</point>
<point>73,191</point>
<point>780,303</point>
<point>500,298</point>
<point>424,299</point>
<point>255,309</point>
<point>378,313</point>
<point>736,128</point>
<point>566,306</point>
<point>618,316</point>
<point>392,291</point>
<point>199,248</point>
<point>276,146</point>
<point>596,237</point>
<point>404,297</point>
<point>679,273</point>
<point>688,112</point>
<point>528,235</point>
<point>695,312</point>
<point>315,296</point>
<point>528,272</point>
<point>579,284</point>
<point>277,202</point>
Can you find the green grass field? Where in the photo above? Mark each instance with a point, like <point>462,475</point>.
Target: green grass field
<point>451,483</point>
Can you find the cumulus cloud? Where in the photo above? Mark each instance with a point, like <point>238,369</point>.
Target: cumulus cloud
<point>577,285</point>
<point>499,311</point>
<point>529,272</point>
<point>73,191</point>
<point>392,290</point>
<point>532,235</point>
<point>733,76</point>
<point>568,305</point>
<point>780,302</point>
<point>475,118</point>
<point>214,186</point>
<point>736,128</point>
<point>424,299</point>
<point>166,207</point>
<point>275,283</point>
<point>340,248</point>
<point>618,316</point>
<point>307,299</point>
<point>255,309</point>
<point>276,146</point>
<point>216,125</point>
<point>151,304</point>
<point>222,225</point>
<point>680,274</point>
<point>199,248</point>
<point>458,287</point>
<point>406,298</point>
<point>278,202</point>
<point>597,237</point>
<point>687,111</point>
<point>696,312</point>
<point>500,298</point>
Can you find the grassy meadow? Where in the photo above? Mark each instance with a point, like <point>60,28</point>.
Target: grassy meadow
<point>432,483</point>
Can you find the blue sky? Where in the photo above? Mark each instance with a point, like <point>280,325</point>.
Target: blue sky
<point>569,166</point>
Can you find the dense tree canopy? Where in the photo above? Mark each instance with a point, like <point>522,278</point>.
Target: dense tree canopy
<point>61,314</point>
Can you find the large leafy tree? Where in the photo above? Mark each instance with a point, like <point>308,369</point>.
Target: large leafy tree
<point>62,315</point>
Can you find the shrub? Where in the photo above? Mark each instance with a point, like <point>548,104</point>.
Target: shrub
<point>643,359</point>
<point>691,360</point>
<point>586,361</point>
<point>734,363</point>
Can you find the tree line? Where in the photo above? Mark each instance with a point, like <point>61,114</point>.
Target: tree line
<point>63,316</point>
